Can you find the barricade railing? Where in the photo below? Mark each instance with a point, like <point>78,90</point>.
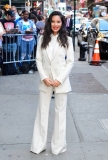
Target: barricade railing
<point>19,48</point>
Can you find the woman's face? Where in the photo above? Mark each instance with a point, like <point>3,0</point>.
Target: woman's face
<point>56,24</point>
<point>26,15</point>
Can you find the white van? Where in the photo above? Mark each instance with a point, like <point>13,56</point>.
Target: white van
<point>83,10</point>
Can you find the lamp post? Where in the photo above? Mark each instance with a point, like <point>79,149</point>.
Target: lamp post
<point>74,25</point>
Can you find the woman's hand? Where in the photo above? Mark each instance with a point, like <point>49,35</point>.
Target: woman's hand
<point>56,83</point>
<point>48,82</point>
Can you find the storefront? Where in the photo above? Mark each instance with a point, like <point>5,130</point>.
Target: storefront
<point>20,4</point>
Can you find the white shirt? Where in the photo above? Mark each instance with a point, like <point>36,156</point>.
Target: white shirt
<point>26,26</point>
<point>52,44</point>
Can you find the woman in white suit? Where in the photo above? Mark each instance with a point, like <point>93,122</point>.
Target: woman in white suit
<point>55,59</point>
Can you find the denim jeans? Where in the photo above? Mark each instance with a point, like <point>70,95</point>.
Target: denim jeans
<point>9,52</point>
<point>26,48</point>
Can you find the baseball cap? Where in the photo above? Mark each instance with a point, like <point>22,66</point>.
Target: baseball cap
<point>11,13</point>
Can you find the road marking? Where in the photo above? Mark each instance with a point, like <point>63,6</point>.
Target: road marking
<point>104,123</point>
<point>105,68</point>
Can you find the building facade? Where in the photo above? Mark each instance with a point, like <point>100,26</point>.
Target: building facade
<point>20,4</point>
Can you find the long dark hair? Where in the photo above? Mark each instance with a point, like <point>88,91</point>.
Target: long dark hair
<point>62,36</point>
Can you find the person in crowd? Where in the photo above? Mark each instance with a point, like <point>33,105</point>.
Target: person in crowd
<point>31,10</point>
<point>33,18</point>
<point>9,42</point>
<point>6,7</point>
<point>13,8</point>
<point>26,42</point>
<point>21,17</point>
<point>90,13</point>
<point>69,24</point>
<point>40,23</point>
<point>55,59</point>
<point>8,24</point>
<point>38,11</point>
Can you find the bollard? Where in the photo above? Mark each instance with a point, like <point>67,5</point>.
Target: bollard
<point>90,53</point>
<point>83,49</point>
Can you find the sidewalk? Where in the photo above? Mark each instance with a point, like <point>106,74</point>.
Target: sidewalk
<point>87,106</point>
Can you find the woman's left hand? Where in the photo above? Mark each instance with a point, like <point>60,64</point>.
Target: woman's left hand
<point>56,83</point>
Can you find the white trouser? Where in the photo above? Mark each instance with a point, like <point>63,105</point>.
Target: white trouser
<point>39,140</point>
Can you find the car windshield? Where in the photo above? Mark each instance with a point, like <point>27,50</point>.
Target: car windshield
<point>84,9</point>
<point>103,25</point>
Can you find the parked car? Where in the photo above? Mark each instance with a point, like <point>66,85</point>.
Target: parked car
<point>98,25</point>
<point>83,10</point>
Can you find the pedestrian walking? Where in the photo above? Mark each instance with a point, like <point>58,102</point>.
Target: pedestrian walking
<point>55,59</point>
<point>69,24</point>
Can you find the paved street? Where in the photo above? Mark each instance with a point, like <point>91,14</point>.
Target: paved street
<point>87,115</point>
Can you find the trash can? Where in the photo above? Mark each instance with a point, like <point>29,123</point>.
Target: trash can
<point>90,53</point>
<point>83,49</point>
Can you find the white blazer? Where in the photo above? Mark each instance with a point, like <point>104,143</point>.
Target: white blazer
<point>57,68</point>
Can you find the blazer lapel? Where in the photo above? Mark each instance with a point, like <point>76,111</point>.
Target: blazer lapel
<point>47,53</point>
<point>55,50</point>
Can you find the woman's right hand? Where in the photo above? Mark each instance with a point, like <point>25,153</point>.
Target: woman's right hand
<point>48,82</point>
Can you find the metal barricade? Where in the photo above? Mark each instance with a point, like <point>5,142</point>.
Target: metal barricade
<point>18,48</point>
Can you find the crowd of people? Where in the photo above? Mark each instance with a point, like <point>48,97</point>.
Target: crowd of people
<point>32,22</point>
<point>22,22</point>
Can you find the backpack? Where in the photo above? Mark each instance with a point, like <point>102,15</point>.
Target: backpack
<point>9,69</point>
<point>25,68</point>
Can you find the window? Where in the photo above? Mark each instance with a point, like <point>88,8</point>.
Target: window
<point>103,25</point>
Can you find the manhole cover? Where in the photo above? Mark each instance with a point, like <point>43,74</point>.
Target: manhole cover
<point>86,83</point>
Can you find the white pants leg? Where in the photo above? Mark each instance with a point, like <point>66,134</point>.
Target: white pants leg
<point>39,139</point>
<point>58,142</point>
